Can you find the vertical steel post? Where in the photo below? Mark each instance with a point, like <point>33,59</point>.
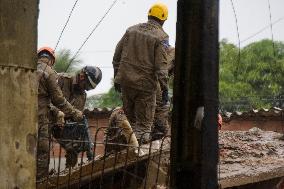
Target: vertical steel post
<point>194,151</point>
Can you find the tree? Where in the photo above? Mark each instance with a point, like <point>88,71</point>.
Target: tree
<point>63,59</point>
<point>111,99</point>
<point>254,79</point>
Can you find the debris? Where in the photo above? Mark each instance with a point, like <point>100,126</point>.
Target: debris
<point>249,153</point>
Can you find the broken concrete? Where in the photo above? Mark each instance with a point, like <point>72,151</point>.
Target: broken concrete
<point>250,156</point>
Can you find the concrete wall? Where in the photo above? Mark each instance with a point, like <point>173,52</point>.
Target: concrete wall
<point>18,93</point>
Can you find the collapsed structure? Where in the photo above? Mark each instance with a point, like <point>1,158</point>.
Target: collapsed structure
<point>246,158</point>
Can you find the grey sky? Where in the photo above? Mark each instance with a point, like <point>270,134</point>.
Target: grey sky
<point>252,16</point>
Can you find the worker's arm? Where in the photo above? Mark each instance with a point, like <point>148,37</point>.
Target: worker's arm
<point>171,64</point>
<point>58,99</point>
<point>161,64</point>
<point>117,54</point>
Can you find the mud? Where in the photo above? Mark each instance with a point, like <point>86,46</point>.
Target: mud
<point>250,153</point>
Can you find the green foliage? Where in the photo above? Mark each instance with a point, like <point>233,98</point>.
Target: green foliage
<point>254,79</point>
<point>111,99</point>
<point>63,59</point>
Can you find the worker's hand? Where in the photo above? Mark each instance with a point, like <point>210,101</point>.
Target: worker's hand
<point>165,97</point>
<point>60,118</point>
<point>78,116</point>
<point>117,87</point>
<point>199,117</point>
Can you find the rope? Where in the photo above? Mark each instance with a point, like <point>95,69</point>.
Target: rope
<point>59,38</point>
<point>238,34</point>
<point>94,29</point>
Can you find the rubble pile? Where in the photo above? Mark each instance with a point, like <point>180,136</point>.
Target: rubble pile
<point>249,153</point>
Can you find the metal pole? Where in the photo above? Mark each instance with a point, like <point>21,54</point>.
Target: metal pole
<point>194,148</point>
<point>18,93</point>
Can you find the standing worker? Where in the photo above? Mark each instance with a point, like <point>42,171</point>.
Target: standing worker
<point>140,65</point>
<point>48,92</point>
<point>74,90</point>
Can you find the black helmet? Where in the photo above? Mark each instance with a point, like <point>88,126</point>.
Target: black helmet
<point>93,75</point>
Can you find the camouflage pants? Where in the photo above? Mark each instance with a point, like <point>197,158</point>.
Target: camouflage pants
<point>42,147</point>
<point>139,107</point>
<point>161,125</point>
<point>119,131</point>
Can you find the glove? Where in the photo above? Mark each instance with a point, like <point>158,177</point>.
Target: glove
<point>117,87</point>
<point>60,118</point>
<point>78,116</point>
<point>165,97</point>
<point>199,117</point>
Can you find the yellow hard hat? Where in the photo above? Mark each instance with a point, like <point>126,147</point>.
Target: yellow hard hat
<point>159,10</point>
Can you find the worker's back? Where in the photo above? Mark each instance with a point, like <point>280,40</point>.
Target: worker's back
<point>141,57</point>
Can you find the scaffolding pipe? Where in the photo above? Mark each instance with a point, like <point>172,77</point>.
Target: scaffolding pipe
<point>194,148</point>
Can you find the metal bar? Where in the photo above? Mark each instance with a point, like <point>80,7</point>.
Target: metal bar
<point>159,160</point>
<point>94,154</point>
<point>147,168</point>
<point>81,163</point>
<point>104,160</point>
<point>194,145</point>
<point>69,171</point>
<point>58,170</point>
<point>126,160</point>
<point>49,147</point>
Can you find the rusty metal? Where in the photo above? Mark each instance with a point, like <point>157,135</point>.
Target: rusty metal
<point>107,170</point>
<point>194,148</point>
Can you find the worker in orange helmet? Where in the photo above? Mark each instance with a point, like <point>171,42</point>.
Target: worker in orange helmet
<point>48,53</point>
<point>48,92</point>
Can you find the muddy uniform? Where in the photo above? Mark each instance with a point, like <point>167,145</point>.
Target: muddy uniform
<point>76,98</point>
<point>161,125</point>
<point>140,65</point>
<point>48,92</point>
<point>119,131</point>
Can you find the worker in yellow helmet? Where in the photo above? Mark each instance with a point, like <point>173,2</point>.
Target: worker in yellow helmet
<point>140,67</point>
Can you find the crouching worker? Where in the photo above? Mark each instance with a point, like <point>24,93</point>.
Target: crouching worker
<point>74,90</point>
<point>119,132</point>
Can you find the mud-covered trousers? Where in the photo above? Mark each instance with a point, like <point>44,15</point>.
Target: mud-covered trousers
<point>139,107</point>
<point>42,162</point>
<point>161,124</point>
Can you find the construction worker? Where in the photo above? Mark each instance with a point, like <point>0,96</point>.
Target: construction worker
<point>74,90</point>
<point>74,87</point>
<point>48,92</point>
<point>161,125</point>
<point>119,132</point>
<point>140,65</point>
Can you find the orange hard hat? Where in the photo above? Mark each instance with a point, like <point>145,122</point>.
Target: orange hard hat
<point>49,50</point>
